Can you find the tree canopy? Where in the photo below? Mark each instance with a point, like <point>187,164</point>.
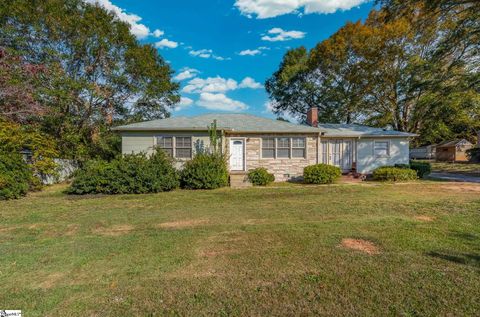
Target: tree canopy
<point>95,73</point>
<point>394,70</point>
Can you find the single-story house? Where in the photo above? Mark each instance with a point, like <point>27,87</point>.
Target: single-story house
<point>281,147</point>
<point>453,151</point>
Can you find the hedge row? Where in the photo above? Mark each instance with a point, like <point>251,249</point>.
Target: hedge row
<point>128,174</point>
<point>394,174</point>
<point>140,174</point>
<point>422,168</point>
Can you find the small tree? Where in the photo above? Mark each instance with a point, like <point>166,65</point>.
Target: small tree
<point>213,134</point>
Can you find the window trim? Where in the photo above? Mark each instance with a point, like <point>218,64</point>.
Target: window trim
<point>174,145</point>
<point>157,145</point>
<point>388,148</point>
<point>304,148</point>
<point>274,148</point>
<point>184,147</point>
<point>290,148</point>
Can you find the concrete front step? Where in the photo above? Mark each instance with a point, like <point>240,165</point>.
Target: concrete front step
<point>238,180</point>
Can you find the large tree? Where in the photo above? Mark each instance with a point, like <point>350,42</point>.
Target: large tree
<point>384,72</point>
<point>99,73</point>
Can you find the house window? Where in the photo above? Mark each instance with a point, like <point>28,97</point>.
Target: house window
<point>166,144</point>
<point>268,148</point>
<point>283,147</point>
<point>183,147</point>
<point>382,148</point>
<point>298,147</point>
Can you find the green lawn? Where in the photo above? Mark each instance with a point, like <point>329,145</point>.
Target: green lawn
<point>470,169</point>
<point>253,252</point>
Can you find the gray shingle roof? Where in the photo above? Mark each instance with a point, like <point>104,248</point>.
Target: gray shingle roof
<point>356,130</point>
<point>231,122</point>
<point>250,123</point>
<point>453,143</point>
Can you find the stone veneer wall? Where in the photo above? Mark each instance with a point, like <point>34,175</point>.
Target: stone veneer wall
<point>283,169</point>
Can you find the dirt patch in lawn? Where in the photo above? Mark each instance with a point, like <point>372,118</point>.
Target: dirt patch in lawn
<point>424,218</point>
<point>71,230</point>
<point>181,224</point>
<point>462,187</point>
<point>51,280</point>
<point>113,231</point>
<point>360,245</point>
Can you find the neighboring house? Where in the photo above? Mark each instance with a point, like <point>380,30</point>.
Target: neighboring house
<point>283,148</point>
<point>423,153</point>
<point>453,151</point>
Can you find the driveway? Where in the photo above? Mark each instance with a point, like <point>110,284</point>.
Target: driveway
<point>454,177</point>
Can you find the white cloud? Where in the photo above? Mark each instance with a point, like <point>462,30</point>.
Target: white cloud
<point>166,43</point>
<point>210,84</point>
<point>271,8</point>
<point>158,33</point>
<point>218,85</point>
<point>220,102</point>
<point>249,52</point>
<point>278,34</point>
<point>186,73</point>
<point>249,82</point>
<point>206,53</point>
<point>139,30</point>
<point>185,102</point>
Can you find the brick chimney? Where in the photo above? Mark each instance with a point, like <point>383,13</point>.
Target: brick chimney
<point>312,117</point>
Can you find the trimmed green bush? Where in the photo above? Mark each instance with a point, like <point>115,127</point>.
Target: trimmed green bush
<point>321,174</point>
<point>205,171</point>
<point>422,168</point>
<point>128,174</point>
<point>15,176</point>
<point>260,177</point>
<point>394,174</point>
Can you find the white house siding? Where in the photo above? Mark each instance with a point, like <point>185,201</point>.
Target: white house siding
<point>367,162</point>
<point>137,142</point>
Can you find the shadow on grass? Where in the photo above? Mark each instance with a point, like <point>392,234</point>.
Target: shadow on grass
<point>472,258</point>
<point>461,258</point>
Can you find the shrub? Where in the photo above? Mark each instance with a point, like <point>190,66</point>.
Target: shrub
<point>422,168</point>
<point>128,174</point>
<point>15,176</point>
<point>260,177</point>
<point>321,174</point>
<point>474,155</point>
<point>205,171</point>
<point>394,174</point>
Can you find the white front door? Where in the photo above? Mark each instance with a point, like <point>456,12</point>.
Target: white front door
<point>237,155</point>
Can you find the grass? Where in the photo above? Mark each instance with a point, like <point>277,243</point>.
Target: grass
<point>469,169</point>
<point>255,252</point>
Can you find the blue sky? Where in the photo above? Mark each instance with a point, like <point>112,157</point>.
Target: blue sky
<point>224,50</point>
